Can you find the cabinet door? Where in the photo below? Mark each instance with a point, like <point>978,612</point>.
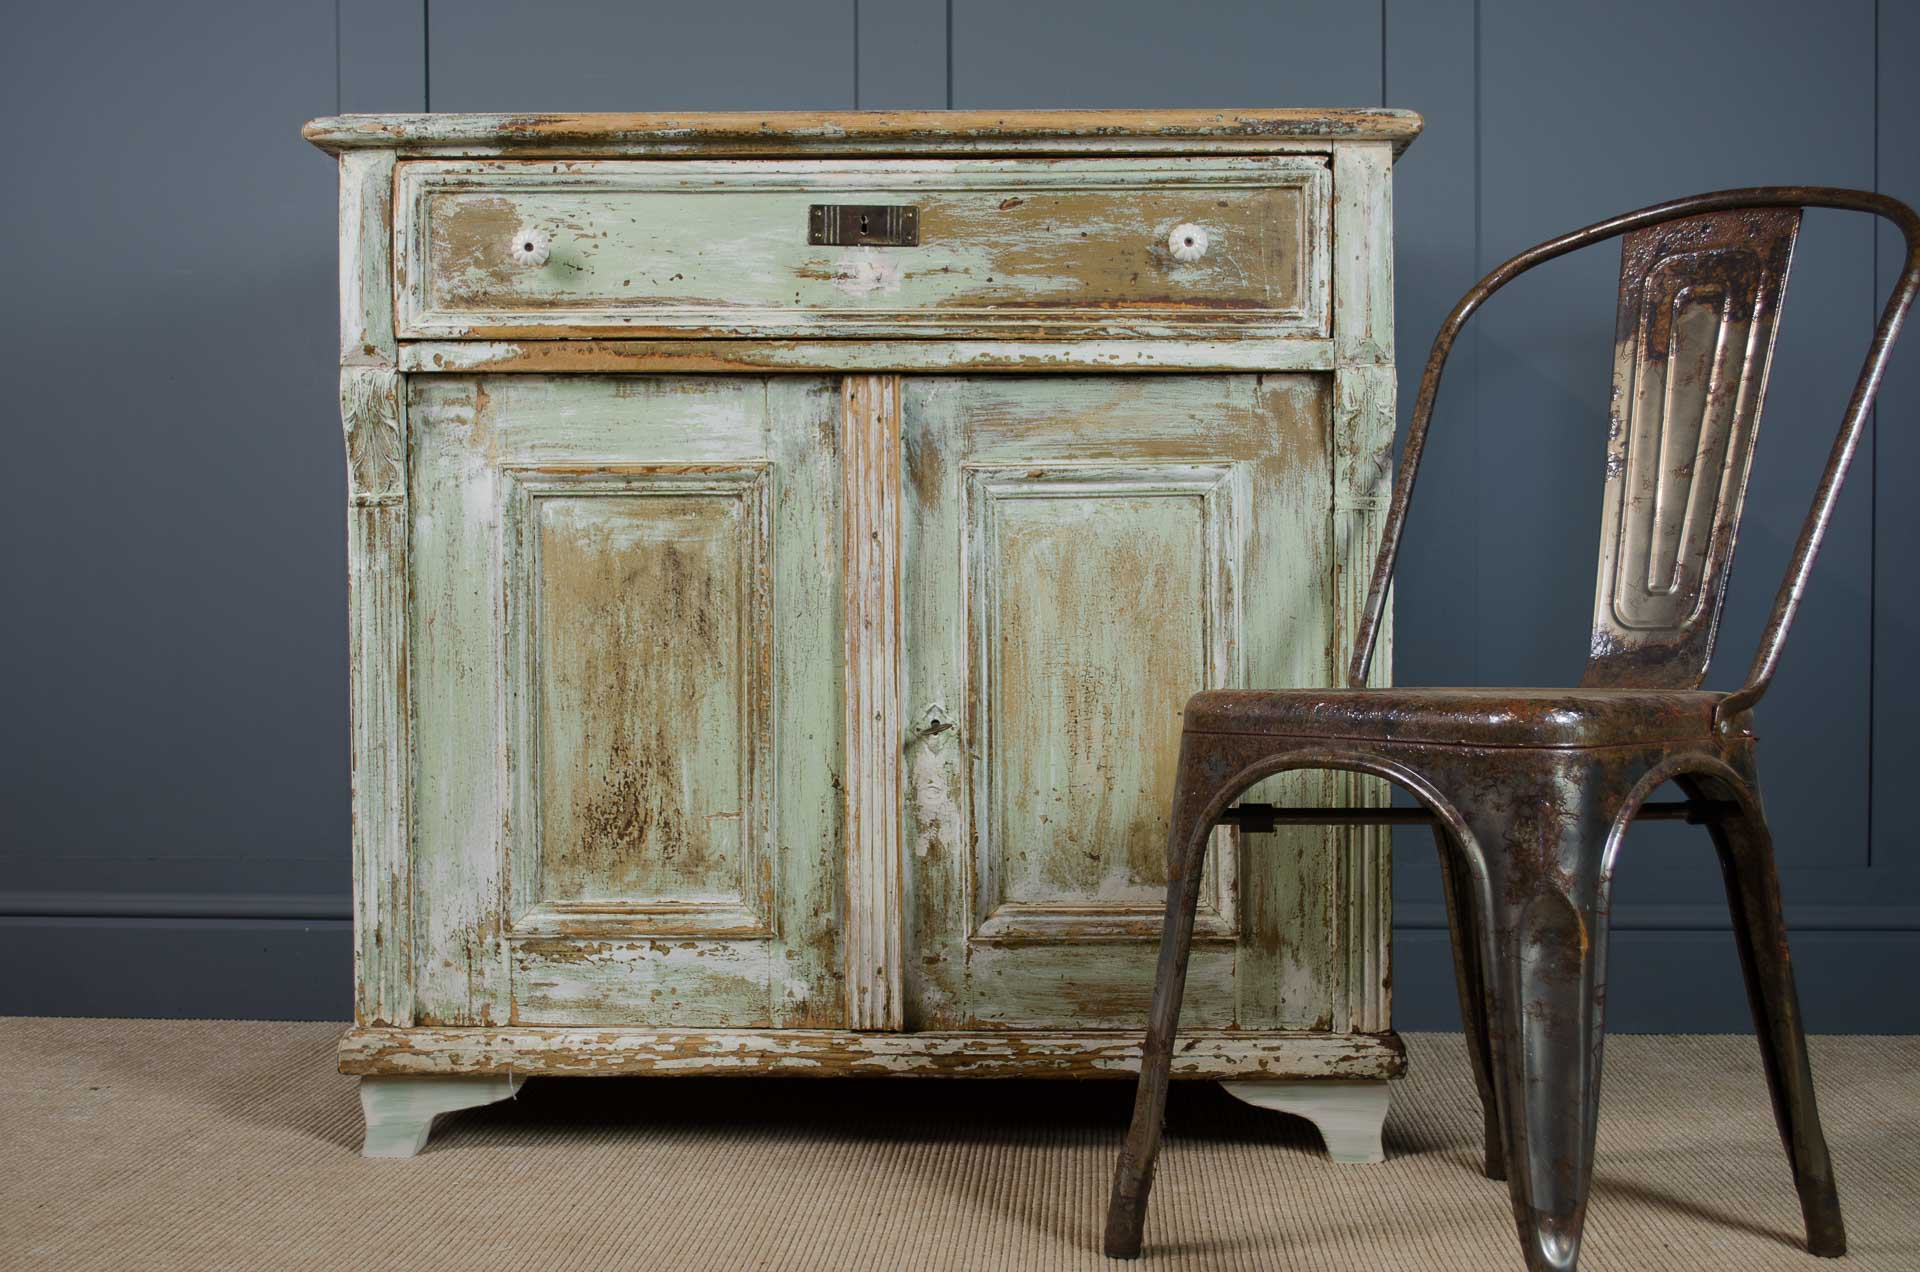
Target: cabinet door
<point>624,640</point>
<point>1082,555</point>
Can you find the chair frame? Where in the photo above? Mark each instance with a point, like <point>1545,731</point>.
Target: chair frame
<point>1528,835</point>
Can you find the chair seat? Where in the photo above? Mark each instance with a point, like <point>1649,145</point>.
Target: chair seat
<point>1462,717</point>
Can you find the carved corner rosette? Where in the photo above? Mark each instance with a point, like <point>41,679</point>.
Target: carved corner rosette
<point>374,426</point>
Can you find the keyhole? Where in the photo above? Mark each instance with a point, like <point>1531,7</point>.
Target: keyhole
<point>934,720</point>
<point>863,223</point>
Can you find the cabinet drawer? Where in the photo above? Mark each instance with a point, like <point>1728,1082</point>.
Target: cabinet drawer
<point>1007,248</point>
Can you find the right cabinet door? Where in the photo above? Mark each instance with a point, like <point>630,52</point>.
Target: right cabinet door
<point>1082,554</point>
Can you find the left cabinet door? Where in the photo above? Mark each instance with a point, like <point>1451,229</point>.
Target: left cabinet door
<point>624,672</point>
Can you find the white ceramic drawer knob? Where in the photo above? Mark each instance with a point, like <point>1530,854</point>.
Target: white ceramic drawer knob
<point>529,247</point>
<point>1187,242</point>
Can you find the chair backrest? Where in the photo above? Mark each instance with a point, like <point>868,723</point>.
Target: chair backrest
<point>1699,304</point>
<point>1702,280</point>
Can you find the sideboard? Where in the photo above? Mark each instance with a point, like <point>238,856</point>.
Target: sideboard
<point>781,547</point>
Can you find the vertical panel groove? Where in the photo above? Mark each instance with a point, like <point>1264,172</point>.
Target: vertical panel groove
<point>1363,428</point>
<point>372,417</point>
<point>870,453</point>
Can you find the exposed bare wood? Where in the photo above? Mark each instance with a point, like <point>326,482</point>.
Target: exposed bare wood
<point>374,421</point>
<point>1363,424</point>
<point>784,132</point>
<point>1363,245</point>
<point>707,357</point>
<point>1088,551</point>
<point>1023,248</point>
<point>626,811</point>
<point>610,816</point>
<point>366,259</point>
<point>1074,712</point>
<point>870,459</point>
<point>834,1053</point>
<point>630,586</point>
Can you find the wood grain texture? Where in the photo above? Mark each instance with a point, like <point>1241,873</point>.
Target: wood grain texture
<point>374,422</point>
<point>1363,243</point>
<point>1025,248</point>
<point>643,831</point>
<point>1080,553</point>
<point>646,591</point>
<point>366,259</point>
<point>1363,425</point>
<point>839,132</point>
<point>870,459</point>
<point>1067,685</point>
<point>838,1053</point>
<point>621,613</point>
<point>708,357</point>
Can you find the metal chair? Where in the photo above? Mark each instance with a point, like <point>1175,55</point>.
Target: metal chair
<point>1529,791</point>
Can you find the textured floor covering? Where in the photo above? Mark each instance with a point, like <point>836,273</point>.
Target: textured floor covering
<point>161,1145</point>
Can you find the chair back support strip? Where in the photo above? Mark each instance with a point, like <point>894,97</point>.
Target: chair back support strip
<point>1699,303</point>
<point>1705,275</point>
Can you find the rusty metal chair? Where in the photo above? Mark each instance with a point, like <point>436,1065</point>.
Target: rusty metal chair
<point>1529,791</point>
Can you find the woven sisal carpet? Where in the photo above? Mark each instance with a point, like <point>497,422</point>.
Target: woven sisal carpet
<point>160,1145</point>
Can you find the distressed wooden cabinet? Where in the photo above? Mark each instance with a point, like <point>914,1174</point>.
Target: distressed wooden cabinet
<point>769,640</point>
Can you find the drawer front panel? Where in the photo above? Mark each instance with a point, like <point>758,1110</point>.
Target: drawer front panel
<point>1005,248</point>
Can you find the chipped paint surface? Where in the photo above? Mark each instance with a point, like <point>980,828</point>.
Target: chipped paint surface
<point>827,1053</point>
<point>1011,247</point>
<point>1084,550</point>
<point>870,685</point>
<point>889,132</point>
<point>644,594</point>
<point>374,418</point>
<point>869,272</point>
<point>596,600</point>
<point>554,537</point>
<point>705,357</point>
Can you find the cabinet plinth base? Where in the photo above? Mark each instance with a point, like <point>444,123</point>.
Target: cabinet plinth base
<point>532,1051</point>
<point>400,1111</point>
<point>1350,1115</point>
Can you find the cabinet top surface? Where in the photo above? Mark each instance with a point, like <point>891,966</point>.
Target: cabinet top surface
<point>889,132</point>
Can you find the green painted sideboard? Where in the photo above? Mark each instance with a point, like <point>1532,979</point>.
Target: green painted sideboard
<point>781,548</point>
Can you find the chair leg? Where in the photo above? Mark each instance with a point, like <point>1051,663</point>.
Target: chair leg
<point>1753,894</point>
<point>1543,925</point>
<point>1186,859</point>
<point>1464,936</point>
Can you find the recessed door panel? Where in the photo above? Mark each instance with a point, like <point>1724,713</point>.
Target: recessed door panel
<point>1079,703</point>
<point>645,590</point>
